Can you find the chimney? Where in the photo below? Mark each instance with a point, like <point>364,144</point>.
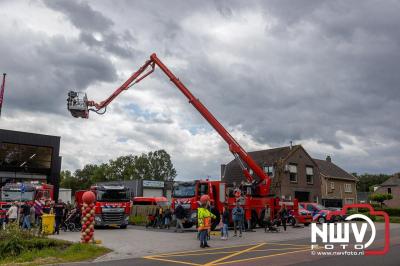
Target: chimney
<point>328,159</point>
<point>291,145</point>
<point>223,168</point>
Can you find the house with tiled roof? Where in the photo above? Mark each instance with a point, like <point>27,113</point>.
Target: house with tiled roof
<point>293,172</point>
<point>338,187</point>
<point>391,186</point>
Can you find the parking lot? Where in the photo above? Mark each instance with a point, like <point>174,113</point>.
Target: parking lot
<point>138,246</point>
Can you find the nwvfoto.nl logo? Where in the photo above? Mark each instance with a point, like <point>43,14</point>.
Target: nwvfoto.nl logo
<point>335,238</point>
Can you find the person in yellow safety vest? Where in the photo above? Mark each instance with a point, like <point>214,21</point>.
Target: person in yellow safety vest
<point>204,217</point>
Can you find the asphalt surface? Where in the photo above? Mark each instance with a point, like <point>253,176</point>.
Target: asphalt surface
<point>265,253</point>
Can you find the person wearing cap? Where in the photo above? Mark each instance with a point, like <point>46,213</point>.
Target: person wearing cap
<point>204,217</point>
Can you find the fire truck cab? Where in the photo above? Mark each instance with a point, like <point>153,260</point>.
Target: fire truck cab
<point>112,206</point>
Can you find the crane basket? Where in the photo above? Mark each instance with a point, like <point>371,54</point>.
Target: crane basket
<point>77,104</point>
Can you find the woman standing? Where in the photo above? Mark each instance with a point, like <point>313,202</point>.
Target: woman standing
<point>225,223</point>
<point>204,217</point>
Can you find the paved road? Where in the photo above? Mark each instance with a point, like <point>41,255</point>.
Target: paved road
<point>265,253</point>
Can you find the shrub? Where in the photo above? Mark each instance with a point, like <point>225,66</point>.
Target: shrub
<point>14,241</point>
<point>381,197</point>
<point>392,211</point>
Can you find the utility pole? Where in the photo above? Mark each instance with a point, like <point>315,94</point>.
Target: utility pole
<point>2,91</point>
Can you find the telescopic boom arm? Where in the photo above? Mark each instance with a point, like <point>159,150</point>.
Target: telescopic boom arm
<point>81,107</point>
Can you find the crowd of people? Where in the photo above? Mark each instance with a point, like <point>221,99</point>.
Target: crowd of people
<point>163,217</point>
<point>29,214</point>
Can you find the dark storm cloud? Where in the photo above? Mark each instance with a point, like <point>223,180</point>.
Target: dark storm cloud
<point>81,15</point>
<point>43,70</point>
<point>325,71</point>
<point>329,67</point>
<point>91,22</point>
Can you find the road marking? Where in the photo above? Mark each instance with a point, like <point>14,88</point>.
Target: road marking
<point>228,252</point>
<point>196,250</point>
<point>261,257</point>
<point>234,254</point>
<point>174,261</point>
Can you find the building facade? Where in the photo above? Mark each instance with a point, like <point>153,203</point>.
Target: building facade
<point>293,172</point>
<point>391,186</point>
<point>145,188</point>
<point>28,157</point>
<point>338,186</point>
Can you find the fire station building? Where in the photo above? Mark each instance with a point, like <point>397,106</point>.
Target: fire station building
<point>28,157</point>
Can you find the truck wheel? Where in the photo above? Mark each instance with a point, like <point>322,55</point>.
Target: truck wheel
<point>321,220</point>
<point>306,224</point>
<point>124,226</point>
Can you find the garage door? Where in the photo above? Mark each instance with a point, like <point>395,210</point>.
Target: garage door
<point>152,192</point>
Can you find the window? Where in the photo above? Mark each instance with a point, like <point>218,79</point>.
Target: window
<point>349,201</point>
<point>293,173</point>
<point>347,188</point>
<point>310,208</point>
<point>389,190</point>
<point>332,185</point>
<point>310,174</point>
<point>269,170</point>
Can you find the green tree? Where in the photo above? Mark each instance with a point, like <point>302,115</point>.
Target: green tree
<point>155,165</point>
<point>367,181</point>
<point>121,168</point>
<point>381,197</point>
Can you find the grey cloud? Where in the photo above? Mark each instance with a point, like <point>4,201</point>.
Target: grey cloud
<point>81,15</point>
<point>322,67</point>
<point>43,70</point>
<point>90,22</point>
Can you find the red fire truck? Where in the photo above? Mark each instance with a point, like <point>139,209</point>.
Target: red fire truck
<point>255,193</point>
<point>21,192</point>
<point>113,205</point>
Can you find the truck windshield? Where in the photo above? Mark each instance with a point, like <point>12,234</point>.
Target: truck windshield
<point>112,195</point>
<point>184,191</point>
<point>16,195</point>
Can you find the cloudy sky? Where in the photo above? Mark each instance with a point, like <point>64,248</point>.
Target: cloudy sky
<point>324,74</point>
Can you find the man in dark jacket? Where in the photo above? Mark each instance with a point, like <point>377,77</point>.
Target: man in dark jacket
<point>59,209</point>
<point>180,216</point>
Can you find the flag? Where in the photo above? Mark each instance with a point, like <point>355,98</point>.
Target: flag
<point>2,91</point>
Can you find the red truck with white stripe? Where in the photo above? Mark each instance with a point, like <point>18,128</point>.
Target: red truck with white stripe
<point>112,205</point>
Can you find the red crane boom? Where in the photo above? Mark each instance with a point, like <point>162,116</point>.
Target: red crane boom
<point>80,107</point>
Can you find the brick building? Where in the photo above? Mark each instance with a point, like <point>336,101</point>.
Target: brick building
<point>338,187</point>
<point>294,173</point>
<point>391,186</point>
